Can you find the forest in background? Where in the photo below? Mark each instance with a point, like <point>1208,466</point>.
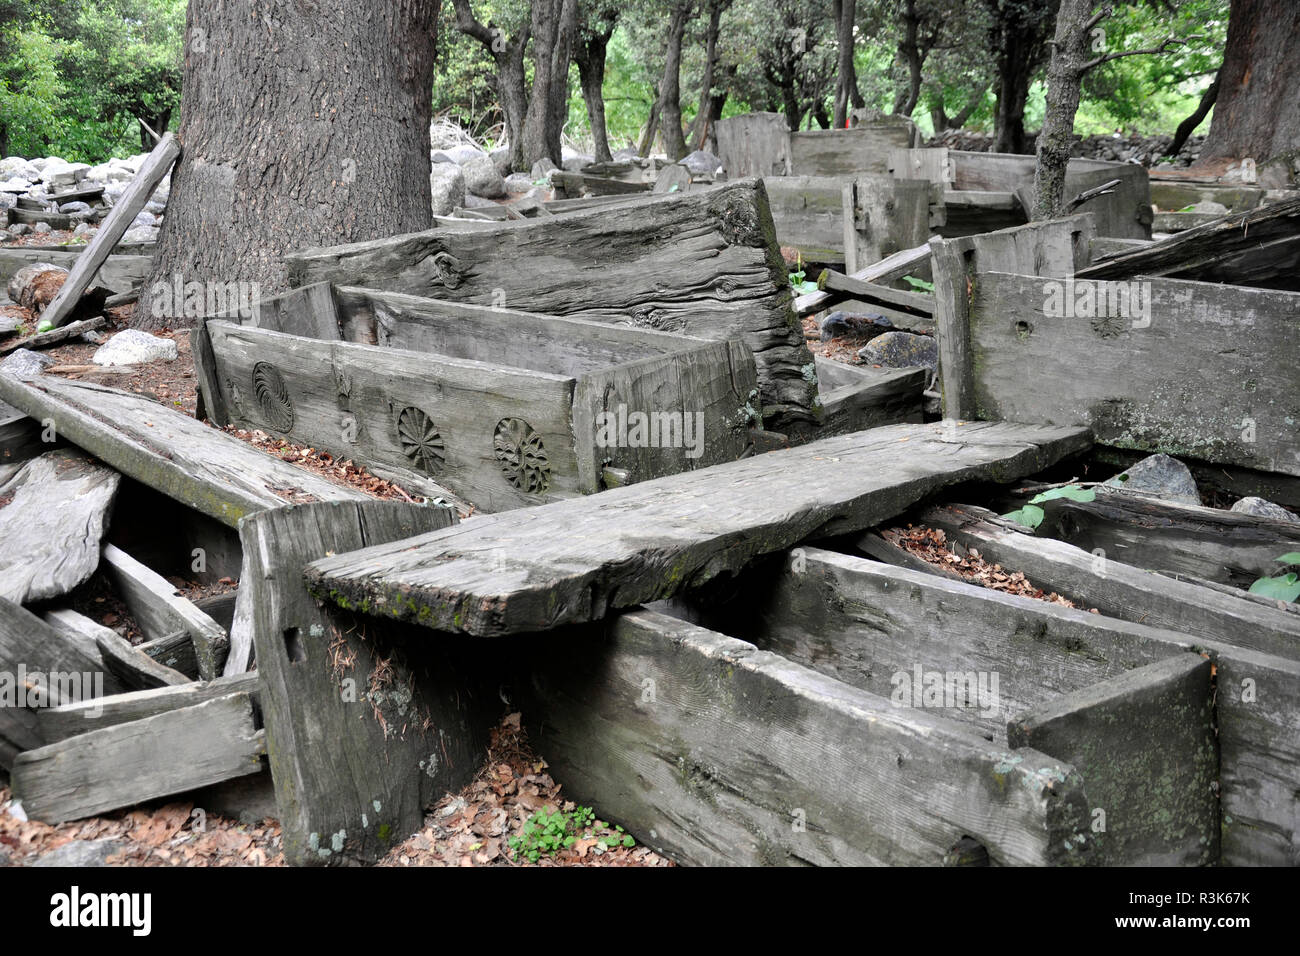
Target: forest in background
<point>76,76</point>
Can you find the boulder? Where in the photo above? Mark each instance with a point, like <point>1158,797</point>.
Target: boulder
<point>542,168</point>
<point>134,347</point>
<point>1159,475</point>
<point>83,853</point>
<point>141,234</point>
<point>41,228</point>
<point>576,164</point>
<point>17,167</point>
<point>447,183</point>
<point>517,184</point>
<point>75,206</point>
<point>482,178</point>
<point>24,363</point>
<point>702,163</point>
<point>475,202</point>
<point>18,229</point>
<point>624,154</point>
<point>144,218</point>
<point>1263,508</point>
<point>463,154</point>
<point>501,159</point>
<point>15,184</point>
<point>901,350</point>
<point>853,323</point>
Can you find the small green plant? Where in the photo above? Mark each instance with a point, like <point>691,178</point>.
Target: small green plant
<point>797,279</point>
<point>548,831</point>
<point>1284,587</point>
<point>1031,516</point>
<point>919,284</point>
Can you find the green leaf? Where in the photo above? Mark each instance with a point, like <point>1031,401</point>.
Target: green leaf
<point>628,841</point>
<point>1073,492</point>
<point>1285,588</point>
<point>1291,557</point>
<point>921,284</point>
<point>1031,516</point>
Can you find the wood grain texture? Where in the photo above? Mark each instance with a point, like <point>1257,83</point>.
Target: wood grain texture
<point>132,666</point>
<point>365,727</point>
<point>618,263</point>
<point>55,512</point>
<point>129,763</point>
<point>848,152</point>
<point>754,144</point>
<point>1119,589</point>
<point>716,753</point>
<point>216,474</point>
<point>577,560</point>
<point>1183,376</point>
<point>857,397</point>
<point>882,216</point>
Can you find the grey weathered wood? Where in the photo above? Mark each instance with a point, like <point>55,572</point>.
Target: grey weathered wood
<point>932,165</point>
<point>1258,243</point>
<point>577,560</point>
<point>160,611</point>
<point>363,728</point>
<point>1222,546</point>
<point>580,185</point>
<point>849,152</point>
<point>164,449</point>
<point>72,719</point>
<point>754,144</point>
<point>882,216</point>
<point>919,304</point>
<point>907,262</point>
<point>1146,385</point>
<point>1144,743</point>
<point>42,340</point>
<point>619,263</point>
<point>132,666</point>
<point>119,273</point>
<point>856,397</point>
<point>1118,589</point>
<point>174,651</point>
<point>125,764</point>
<point>809,215</point>
<point>1053,249</point>
<point>119,219</point>
<point>672,179</point>
<point>713,752</point>
<point>54,516</point>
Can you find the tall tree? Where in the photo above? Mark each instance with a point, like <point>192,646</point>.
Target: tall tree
<point>597,20</point>
<point>847,94</point>
<point>507,48</point>
<point>669,105</point>
<point>554,23</point>
<point>1018,35</point>
<point>302,124</point>
<point>704,115</point>
<point>1256,114</point>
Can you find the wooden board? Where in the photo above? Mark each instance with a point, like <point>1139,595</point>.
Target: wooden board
<point>126,764</point>
<point>1144,743</point>
<point>1053,249</point>
<point>621,264</point>
<point>1182,376</point>
<point>365,727</point>
<point>132,666</point>
<point>754,144</point>
<point>120,273</point>
<point>54,513</point>
<point>1105,581</point>
<point>577,560</point>
<point>214,473</point>
<point>160,611</point>
<point>857,397</point>
<point>809,215</point>
<point>152,172</point>
<point>65,333</point>
<point>848,152</point>
<point>881,217</point>
<point>714,753</point>
<point>915,262</point>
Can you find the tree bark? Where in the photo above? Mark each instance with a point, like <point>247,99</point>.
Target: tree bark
<point>704,115</point>
<point>554,23</point>
<point>302,125</point>
<point>589,53</point>
<point>909,49</point>
<point>1064,79</point>
<point>1255,114</point>
<point>847,94</point>
<point>670,90</point>
<point>508,55</point>
<point>1018,37</point>
<point>1188,126</point>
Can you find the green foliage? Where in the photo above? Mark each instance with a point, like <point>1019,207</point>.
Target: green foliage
<point>30,90</point>
<point>1031,515</point>
<point>1284,587</point>
<point>548,831</point>
<point>919,284</point>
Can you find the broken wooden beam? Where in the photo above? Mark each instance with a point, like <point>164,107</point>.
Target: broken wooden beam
<point>123,213</point>
<point>894,267</point>
<point>167,450</point>
<point>857,397</point>
<point>618,264</point>
<point>580,185</point>
<point>132,666</point>
<point>53,519</point>
<point>126,764</point>
<point>916,303</point>
<point>41,340</point>
<point>578,560</point>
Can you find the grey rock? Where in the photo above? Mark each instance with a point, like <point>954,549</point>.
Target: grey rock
<point>702,163</point>
<point>83,853</point>
<point>626,153</point>
<point>16,166</point>
<point>141,234</point>
<point>438,156</point>
<point>24,363</point>
<point>41,228</point>
<point>77,206</point>
<point>576,164</point>
<point>133,347</point>
<point>15,185</point>
<point>447,183</point>
<point>144,218</point>
<point>463,154</point>
<point>1159,475</point>
<point>542,168</point>
<point>853,323</point>
<point>18,229</point>
<point>901,350</point>
<point>482,178</point>
<point>84,229</point>
<point>1262,508</point>
<point>476,202</point>
<point>518,184</point>
<point>501,160</point>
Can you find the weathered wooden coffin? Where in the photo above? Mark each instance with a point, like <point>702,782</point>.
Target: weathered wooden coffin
<point>762,144</point>
<point>504,408</point>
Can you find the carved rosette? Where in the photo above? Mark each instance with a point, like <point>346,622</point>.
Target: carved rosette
<point>522,456</point>
<point>420,440</point>
<point>273,397</point>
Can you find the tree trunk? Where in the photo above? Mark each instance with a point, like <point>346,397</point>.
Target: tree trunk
<point>651,128</point>
<point>704,115</point>
<point>1064,77</point>
<point>1188,126</point>
<point>302,125</point>
<point>1255,115</point>
<point>909,49</point>
<point>847,95</point>
<point>670,90</point>
<point>1019,35</point>
<point>508,55</point>
<point>589,52</point>
<point>554,23</point>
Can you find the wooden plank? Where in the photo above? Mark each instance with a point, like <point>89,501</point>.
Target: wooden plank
<point>848,152</point>
<point>1145,745</point>
<point>619,264</point>
<point>175,651</point>
<point>73,719</point>
<point>119,273</point>
<point>754,144</point>
<point>1222,546</point>
<point>914,302</point>
<point>364,727</point>
<point>932,165</point>
<point>908,261</point>
<point>1053,249</point>
<point>126,764</point>
<point>119,219</point>
<point>164,449</point>
<point>1118,589</point>
<point>579,185</point>
<point>20,437</point>
<point>1146,388</point>
<point>54,513</point>
<point>857,397</point>
<point>882,216</point>
<point>808,214</point>
<point>577,560</point>
<point>714,753</point>
<point>159,610</point>
<point>43,340</point>
<point>672,179</point>
<point>132,666</point>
